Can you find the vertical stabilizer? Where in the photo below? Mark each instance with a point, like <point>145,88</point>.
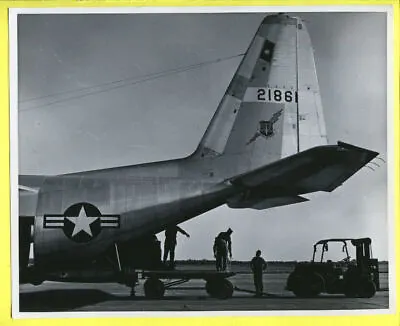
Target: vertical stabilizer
<point>312,130</point>
<point>272,107</point>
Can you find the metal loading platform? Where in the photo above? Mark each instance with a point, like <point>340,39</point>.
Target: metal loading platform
<point>217,285</point>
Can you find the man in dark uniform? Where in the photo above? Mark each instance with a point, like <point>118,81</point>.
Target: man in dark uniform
<point>170,243</point>
<point>222,245</point>
<point>258,265</point>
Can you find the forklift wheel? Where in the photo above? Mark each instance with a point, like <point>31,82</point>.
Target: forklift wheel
<point>350,293</point>
<point>366,289</point>
<point>308,286</point>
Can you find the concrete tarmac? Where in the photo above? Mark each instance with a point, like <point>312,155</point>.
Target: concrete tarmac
<point>53,296</point>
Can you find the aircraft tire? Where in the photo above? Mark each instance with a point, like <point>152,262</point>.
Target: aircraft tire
<point>35,277</point>
<point>154,288</point>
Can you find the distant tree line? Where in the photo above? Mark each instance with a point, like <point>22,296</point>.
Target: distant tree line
<point>239,262</point>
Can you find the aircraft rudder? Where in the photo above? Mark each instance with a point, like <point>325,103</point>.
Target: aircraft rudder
<point>261,117</point>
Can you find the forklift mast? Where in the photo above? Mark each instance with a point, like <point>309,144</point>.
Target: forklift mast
<point>363,251</point>
<point>365,262</point>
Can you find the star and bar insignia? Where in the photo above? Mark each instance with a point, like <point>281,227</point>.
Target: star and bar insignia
<point>81,222</point>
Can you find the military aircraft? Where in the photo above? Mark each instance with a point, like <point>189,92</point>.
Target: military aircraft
<point>265,146</point>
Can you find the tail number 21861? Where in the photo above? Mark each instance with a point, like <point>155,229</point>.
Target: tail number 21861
<point>276,95</point>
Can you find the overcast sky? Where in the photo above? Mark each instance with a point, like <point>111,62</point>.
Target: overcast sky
<point>165,118</point>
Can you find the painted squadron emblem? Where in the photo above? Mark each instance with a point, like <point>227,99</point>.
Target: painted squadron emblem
<point>81,222</point>
<point>266,127</point>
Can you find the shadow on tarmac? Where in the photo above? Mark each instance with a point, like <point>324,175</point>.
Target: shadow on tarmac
<point>65,300</point>
<point>60,300</point>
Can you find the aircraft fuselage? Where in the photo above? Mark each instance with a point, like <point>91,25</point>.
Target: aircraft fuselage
<point>144,198</point>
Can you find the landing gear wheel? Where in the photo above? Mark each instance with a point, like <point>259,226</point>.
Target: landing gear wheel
<point>37,281</point>
<point>154,288</point>
<point>219,288</point>
<point>32,275</point>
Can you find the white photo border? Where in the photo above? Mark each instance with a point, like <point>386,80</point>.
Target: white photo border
<point>13,75</point>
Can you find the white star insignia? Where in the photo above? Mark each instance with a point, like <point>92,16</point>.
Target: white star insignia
<point>82,222</point>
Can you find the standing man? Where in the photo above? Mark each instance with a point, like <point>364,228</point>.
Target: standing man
<point>258,265</point>
<point>222,245</point>
<point>170,243</point>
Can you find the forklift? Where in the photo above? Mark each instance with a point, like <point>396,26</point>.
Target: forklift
<point>353,278</point>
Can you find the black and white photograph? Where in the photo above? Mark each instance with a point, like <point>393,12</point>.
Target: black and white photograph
<point>229,163</point>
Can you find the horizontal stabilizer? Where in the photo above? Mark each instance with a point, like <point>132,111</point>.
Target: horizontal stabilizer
<point>27,189</point>
<point>322,168</point>
<point>30,182</point>
<point>264,203</point>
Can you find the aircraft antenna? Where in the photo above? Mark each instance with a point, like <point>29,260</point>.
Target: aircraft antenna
<point>297,88</point>
<point>376,164</point>
<point>370,167</point>
<point>94,89</point>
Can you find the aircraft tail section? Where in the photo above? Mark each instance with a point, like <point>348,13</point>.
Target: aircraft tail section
<point>272,107</point>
